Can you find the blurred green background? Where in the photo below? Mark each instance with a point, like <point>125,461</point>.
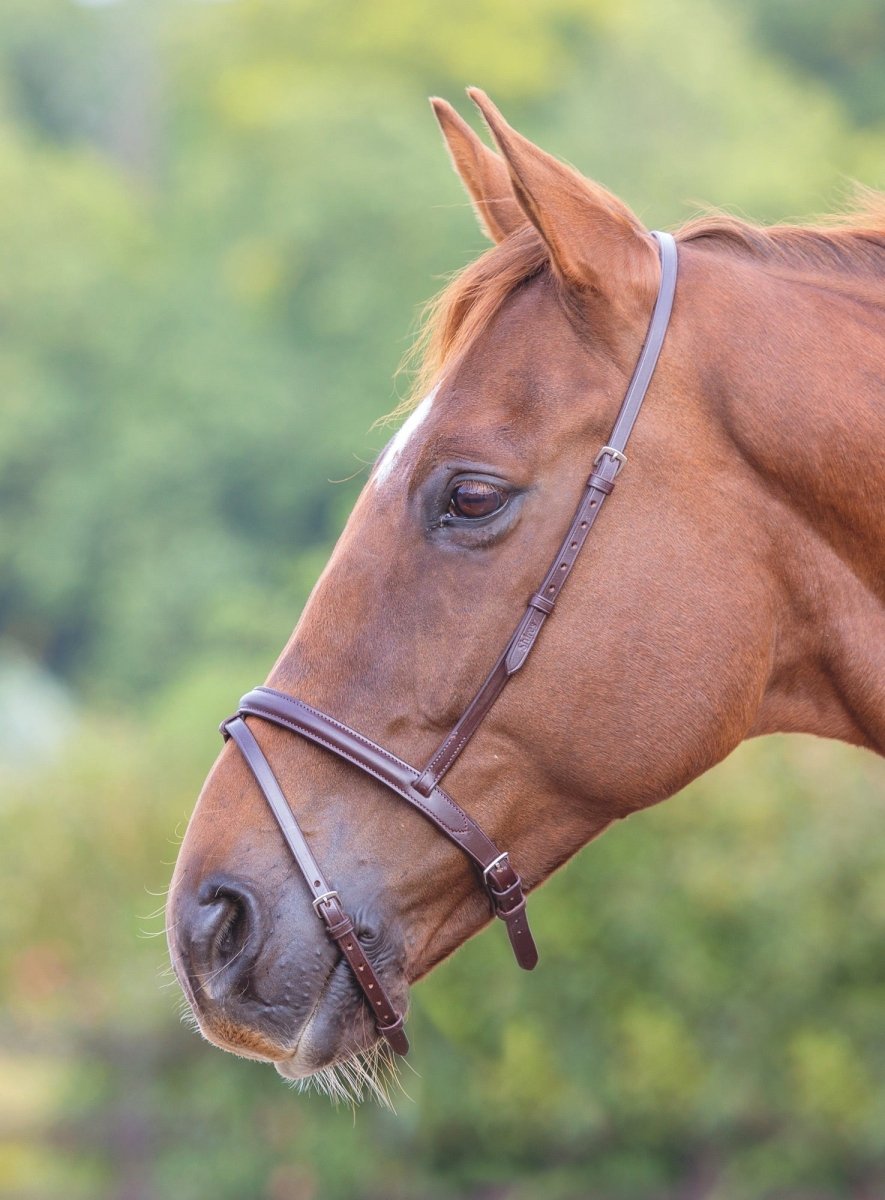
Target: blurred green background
<point>217,221</point>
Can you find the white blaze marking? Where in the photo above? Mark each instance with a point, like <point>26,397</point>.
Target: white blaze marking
<point>401,438</point>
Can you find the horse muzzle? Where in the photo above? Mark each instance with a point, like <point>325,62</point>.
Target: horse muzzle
<point>264,981</point>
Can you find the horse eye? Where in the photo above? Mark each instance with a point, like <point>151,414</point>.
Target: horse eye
<point>475,498</point>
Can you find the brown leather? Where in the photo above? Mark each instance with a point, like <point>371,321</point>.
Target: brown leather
<point>599,485</point>
<point>421,788</point>
<point>326,902</point>
<point>502,882</point>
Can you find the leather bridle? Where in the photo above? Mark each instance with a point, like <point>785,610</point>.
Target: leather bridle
<point>421,788</point>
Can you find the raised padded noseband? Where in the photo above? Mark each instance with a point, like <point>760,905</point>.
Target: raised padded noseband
<point>421,788</point>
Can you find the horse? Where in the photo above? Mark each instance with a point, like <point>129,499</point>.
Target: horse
<point>733,587</point>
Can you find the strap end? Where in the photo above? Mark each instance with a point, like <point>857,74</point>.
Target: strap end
<point>509,903</point>
<point>525,950</point>
<point>395,1036</point>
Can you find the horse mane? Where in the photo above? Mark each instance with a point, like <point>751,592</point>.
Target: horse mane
<point>452,321</point>
<point>851,242</point>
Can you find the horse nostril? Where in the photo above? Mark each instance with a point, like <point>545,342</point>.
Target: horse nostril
<point>224,935</point>
<point>227,927</point>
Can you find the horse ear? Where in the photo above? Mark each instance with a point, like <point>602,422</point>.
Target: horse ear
<point>596,243</point>
<point>483,173</point>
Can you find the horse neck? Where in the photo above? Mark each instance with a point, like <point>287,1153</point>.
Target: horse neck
<point>799,388</point>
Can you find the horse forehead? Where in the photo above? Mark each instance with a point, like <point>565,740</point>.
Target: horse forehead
<point>393,451</point>
<point>450,423</point>
<point>522,356</point>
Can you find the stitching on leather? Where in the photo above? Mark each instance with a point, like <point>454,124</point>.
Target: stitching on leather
<point>452,754</point>
<point>442,751</point>
<point>292,722</point>
<point>338,725</point>
<point>276,718</point>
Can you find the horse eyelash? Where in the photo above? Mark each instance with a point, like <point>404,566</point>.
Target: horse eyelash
<point>440,522</point>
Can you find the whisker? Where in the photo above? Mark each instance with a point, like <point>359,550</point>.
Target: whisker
<point>366,1075</point>
<point>158,912</point>
<point>204,979</point>
<point>152,933</point>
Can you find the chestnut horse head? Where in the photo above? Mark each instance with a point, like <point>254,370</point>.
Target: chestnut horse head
<point>733,586</point>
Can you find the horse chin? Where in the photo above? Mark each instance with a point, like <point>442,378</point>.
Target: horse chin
<point>337,1052</point>
<point>349,1065</point>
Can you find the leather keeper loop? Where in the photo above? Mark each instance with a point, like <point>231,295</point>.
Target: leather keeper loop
<point>601,483</point>
<point>542,603</point>
<point>340,929</point>
<point>499,899</point>
<point>395,1035</point>
<point>425,784</point>
<point>511,913</point>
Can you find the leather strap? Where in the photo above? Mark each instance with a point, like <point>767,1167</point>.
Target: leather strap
<point>326,902</point>
<point>600,484</point>
<point>501,880</point>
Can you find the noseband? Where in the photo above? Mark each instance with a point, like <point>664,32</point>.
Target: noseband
<point>421,788</point>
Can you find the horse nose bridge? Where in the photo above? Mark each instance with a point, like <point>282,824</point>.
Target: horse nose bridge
<point>232,831</point>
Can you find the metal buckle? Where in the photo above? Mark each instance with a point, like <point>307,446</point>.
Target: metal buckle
<point>322,900</point>
<point>620,459</point>
<point>497,862</point>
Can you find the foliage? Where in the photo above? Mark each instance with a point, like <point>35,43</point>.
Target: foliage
<point>218,221</point>
<point>844,44</point>
<point>725,1032</point>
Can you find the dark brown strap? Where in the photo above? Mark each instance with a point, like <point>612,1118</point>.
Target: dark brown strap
<point>326,901</point>
<point>600,484</point>
<point>501,880</point>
